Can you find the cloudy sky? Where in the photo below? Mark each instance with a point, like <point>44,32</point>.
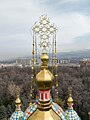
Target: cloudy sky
<point>17,17</point>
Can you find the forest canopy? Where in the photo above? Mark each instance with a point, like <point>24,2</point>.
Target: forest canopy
<point>13,77</point>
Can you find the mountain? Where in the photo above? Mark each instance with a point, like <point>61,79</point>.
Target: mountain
<point>74,54</point>
<point>60,55</point>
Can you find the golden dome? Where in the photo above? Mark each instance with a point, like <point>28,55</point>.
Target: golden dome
<point>44,77</point>
<point>44,57</point>
<point>18,101</point>
<point>70,99</point>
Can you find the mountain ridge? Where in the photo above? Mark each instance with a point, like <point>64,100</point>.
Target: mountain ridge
<point>61,55</point>
<point>74,54</point>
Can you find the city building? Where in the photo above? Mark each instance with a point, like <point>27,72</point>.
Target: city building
<point>23,62</point>
<point>85,62</point>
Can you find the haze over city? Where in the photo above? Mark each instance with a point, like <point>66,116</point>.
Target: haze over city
<point>17,17</point>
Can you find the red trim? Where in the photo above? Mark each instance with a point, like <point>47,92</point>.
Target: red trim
<point>46,96</point>
<point>42,96</point>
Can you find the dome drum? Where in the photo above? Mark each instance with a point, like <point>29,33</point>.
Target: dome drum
<point>44,105</point>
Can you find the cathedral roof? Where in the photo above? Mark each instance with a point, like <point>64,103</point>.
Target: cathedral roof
<point>30,110</point>
<point>56,113</point>
<point>44,108</point>
<point>16,115</point>
<point>72,114</point>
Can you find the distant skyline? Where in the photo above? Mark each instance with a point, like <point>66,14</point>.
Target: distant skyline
<point>17,17</point>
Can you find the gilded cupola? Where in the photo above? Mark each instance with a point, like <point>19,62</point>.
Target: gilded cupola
<point>70,99</point>
<point>18,114</point>
<point>44,77</point>
<point>70,112</point>
<point>18,103</point>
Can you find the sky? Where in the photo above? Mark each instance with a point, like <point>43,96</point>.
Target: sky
<point>17,17</point>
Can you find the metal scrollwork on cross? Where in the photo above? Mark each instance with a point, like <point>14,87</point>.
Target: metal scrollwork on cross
<point>44,29</point>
